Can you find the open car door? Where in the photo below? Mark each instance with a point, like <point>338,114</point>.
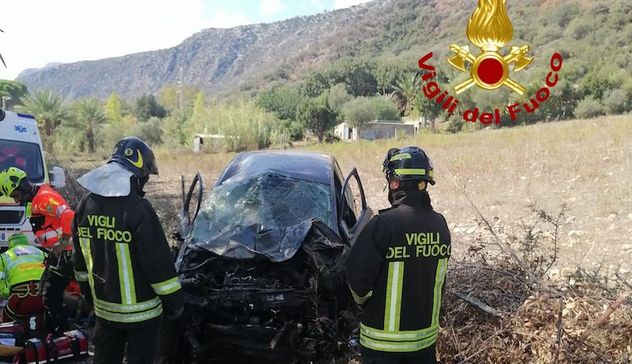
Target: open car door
<point>353,211</point>
<point>187,215</point>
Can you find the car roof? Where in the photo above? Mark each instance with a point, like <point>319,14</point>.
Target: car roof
<point>311,166</point>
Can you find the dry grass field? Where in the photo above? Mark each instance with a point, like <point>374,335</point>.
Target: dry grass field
<point>585,165</point>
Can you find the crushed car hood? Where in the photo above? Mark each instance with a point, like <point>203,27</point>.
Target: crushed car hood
<point>267,215</point>
<point>275,244</point>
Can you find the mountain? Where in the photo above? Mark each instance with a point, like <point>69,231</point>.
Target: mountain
<point>590,35</point>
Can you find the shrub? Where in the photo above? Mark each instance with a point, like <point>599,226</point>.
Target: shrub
<point>245,126</point>
<point>456,125</point>
<point>589,108</point>
<point>579,28</point>
<point>616,101</point>
<point>150,131</point>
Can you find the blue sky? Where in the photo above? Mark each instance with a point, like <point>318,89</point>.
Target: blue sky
<point>38,32</point>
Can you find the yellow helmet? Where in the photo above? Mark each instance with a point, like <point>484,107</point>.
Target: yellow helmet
<point>10,179</point>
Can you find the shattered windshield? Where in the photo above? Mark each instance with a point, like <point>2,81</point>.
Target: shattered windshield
<point>269,214</point>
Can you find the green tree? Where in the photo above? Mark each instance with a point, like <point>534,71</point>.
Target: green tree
<point>362,110</point>
<point>407,88</point>
<point>49,111</point>
<point>11,92</point>
<point>356,74</point>
<point>282,101</point>
<point>315,84</point>
<point>359,111</point>
<point>360,80</point>
<point>387,75</point>
<point>199,115</point>
<point>428,109</point>
<point>173,133</point>
<point>171,97</point>
<point>245,125</point>
<point>596,84</point>
<point>385,109</point>
<point>88,118</point>
<point>114,131</point>
<point>338,96</point>
<point>317,116</point>
<point>151,131</point>
<point>114,108</point>
<point>147,106</point>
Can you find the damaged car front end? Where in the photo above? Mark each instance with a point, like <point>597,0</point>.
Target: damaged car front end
<point>261,263</point>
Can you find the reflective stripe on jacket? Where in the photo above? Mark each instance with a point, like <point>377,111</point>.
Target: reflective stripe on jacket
<point>23,263</point>
<point>121,251</point>
<point>397,270</point>
<point>58,217</point>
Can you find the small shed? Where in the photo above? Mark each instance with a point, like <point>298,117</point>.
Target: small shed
<point>374,130</point>
<point>208,142</point>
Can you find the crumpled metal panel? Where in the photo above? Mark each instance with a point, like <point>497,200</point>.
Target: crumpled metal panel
<point>268,215</point>
<point>272,312</point>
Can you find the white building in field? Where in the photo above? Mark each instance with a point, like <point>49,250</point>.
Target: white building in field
<point>208,142</point>
<point>377,129</point>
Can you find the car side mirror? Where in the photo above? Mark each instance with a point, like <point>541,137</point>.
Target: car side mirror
<point>57,177</point>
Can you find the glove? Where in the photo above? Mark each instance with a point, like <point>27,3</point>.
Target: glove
<point>174,315</point>
<point>173,305</point>
<point>86,293</point>
<point>18,239</point>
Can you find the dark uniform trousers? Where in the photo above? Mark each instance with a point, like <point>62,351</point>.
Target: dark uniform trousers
<point>396,271</point>
<point>57,275</point>
<point>142,342</point>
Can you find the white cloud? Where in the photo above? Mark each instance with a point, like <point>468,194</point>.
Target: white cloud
<point>339,4</point>
<point>270,7</point>
<point>37,32</point>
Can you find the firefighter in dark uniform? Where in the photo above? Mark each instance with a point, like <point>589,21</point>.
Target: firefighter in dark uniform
<point>397,267</point>
<point>122,258</point>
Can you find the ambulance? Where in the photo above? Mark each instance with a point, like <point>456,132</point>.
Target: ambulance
<point>21,146</point>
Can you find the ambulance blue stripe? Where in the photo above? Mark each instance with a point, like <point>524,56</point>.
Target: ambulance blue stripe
<point>26,116</point>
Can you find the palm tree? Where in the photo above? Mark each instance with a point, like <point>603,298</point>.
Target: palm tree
<point>48,109</point>
<point>88,117</point>
<point>406,88</point>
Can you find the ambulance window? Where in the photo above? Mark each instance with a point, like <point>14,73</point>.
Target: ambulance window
<point>25,156</point>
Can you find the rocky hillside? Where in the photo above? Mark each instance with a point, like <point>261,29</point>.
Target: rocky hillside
<point>246,57</point>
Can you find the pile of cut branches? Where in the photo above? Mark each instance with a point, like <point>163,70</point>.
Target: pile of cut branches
<point>500,307</point>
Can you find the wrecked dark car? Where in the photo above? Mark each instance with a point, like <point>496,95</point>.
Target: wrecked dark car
<point>261,261</point>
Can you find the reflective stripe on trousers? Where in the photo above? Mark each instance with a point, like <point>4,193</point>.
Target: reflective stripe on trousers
<point>392,339</point>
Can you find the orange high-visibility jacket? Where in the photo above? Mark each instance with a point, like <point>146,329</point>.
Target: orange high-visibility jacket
<point>57,217</point>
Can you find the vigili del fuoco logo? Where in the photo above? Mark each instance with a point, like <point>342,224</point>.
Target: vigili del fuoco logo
<point>490,30</point>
